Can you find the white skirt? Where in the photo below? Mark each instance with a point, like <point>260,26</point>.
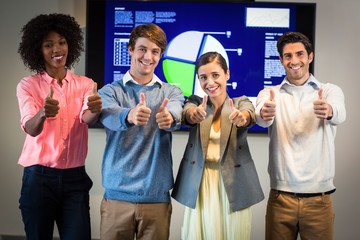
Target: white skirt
<point>212,218</point>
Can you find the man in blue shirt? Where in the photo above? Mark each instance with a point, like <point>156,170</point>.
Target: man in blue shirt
<point>139,114</point>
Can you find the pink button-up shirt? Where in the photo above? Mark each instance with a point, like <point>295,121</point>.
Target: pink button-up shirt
<point>63,142</point>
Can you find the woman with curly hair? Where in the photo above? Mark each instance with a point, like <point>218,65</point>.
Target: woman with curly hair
<point>56,107</point>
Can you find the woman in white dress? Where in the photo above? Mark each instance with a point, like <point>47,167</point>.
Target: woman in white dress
<point>217,180</point>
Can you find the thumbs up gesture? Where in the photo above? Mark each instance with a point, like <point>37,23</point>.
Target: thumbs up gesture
<point>94,101</point>
<point>140,114</point>
<point>322,109</point>
<point>163,116</point>
<point>236,116</point>
<point>197,114</point>
<point>268,110</point>
<point>51,106</point>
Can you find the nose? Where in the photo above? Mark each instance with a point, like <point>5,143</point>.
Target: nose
<point>210,80</point>
<point>147,54</point>
<point>294,60</point>
<point>56,48</point>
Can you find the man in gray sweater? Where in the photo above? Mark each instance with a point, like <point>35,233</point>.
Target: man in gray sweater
<point>139,114</point>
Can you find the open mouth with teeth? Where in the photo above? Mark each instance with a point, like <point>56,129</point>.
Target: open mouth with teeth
<point>145,63</point>
<point>212,88</point>
<point>295,67</point>
<point>58,57</point>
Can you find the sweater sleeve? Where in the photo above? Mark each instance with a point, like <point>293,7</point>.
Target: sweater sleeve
<point>260,100</point>
<point>335,97</point>
<point>175,106</point>
<point>113,115</point>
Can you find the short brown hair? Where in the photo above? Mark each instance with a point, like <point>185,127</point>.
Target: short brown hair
<point>150,31</point>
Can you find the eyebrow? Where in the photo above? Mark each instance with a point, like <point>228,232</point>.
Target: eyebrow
<point>143,46</point>
<point>50,40</point>
<point>290,53</point>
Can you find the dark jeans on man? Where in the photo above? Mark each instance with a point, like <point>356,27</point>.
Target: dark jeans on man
<point>50,195</point>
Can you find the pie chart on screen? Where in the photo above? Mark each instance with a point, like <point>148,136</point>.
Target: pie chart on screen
<point>180,57</point>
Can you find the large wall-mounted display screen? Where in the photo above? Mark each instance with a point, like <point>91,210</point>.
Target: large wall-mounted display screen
<point>244,33</point>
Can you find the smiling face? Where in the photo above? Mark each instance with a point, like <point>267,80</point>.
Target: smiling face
<point>145,56</point>
<point>296,62</point>
<point>54,49</point>
<point>213,80</point>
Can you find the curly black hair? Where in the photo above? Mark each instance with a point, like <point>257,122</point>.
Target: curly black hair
<point>38,28</point>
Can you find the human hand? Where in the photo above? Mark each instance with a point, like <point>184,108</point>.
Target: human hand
<point>163,116</point>
<point>139,115</point>
<point>197,114</point>
<point>236,116</point>
<point>94,101</point>
<point>268,110</point>
<point>322,109</point>
<point>51,106</point>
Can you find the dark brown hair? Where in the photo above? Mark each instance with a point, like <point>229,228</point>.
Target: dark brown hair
<point>211,57</point>
<point>294,37</point>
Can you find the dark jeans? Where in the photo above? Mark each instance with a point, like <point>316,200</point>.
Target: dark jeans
<point>51,195</point>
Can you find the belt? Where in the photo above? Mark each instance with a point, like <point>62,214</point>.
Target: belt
<point>305,195</point>
<point>56,171</point>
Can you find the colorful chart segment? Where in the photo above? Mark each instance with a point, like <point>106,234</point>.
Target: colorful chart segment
<point>181,55</point>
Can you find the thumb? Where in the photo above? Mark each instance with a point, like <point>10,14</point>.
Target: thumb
<point>272,95</point>
<point>94,90</point>
<point>163,105</point>
<point>51,93</point>
<point>321,94</point>
<point>231,102</point>
<point>204,101</point>
<point>142,99</point>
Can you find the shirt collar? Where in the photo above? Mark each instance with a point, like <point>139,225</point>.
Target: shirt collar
<point>50,79</point>
<point>128,78</point>
<point>311,82</point>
